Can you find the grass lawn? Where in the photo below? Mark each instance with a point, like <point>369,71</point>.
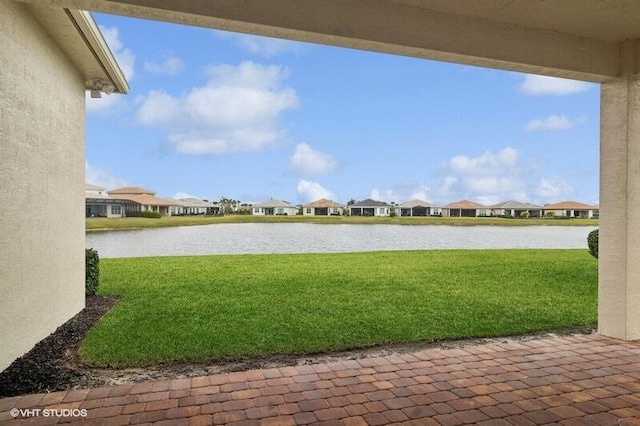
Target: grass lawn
<point>101,224</point>
<point>177,309</point>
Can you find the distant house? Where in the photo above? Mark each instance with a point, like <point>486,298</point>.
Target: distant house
<point>370,207</point>
<point>274,208</point>
<point>194,206</point>
<point>144,200</point>
<point>323,207</point>
<point>515,209</point>
<point>465,208</point>
<point>418,208</point>
<point>573,209</point>
<point>99,204</point>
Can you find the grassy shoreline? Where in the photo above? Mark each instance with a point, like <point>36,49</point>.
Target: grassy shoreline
<point>208,308</point>
<point>107,224</point>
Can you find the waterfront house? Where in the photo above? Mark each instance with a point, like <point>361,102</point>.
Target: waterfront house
<point>515,209</point>
<point>99,204</point>
<point>417,208</point>
<point>274,208</point>
<point>465,208</point>
<point>573,209</point>
<point>323,207</point>
<point>370,207</point>
<point>194,206</point>
<point>144,200</point>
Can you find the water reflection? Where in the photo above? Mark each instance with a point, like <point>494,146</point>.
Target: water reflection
<point>314,238</point>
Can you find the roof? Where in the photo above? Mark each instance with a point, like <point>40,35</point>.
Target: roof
<point>89,187</point>
<point>78,36</point>
<point>323,202</point>
<point>416,203</point>
<point>569,205</point>
<point>274,203</point>
<point>131,190</point>
<point>97,199</point>
<point>515,205</point>
<point>194,202</point>
<point>465,204</point>
<point>370,203</point>
<point>149,200</point>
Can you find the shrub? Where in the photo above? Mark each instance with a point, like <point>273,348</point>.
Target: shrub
<point>145,213</point>
<point>524,214</point>
<point>592,242</point>
<point>92,272</point>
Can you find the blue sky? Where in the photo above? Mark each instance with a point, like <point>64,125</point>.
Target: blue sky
<point>213,114</point>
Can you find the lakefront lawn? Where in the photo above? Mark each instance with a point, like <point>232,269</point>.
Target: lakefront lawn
<point>206,308</point>
<point>105,224</point>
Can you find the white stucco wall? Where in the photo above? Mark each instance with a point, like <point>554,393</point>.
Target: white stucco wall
<point>41,184</point>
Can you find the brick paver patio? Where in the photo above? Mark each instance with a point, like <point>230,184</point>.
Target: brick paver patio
<point>573,380</point>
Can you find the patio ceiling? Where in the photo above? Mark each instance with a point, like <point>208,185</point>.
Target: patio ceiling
<point>577,39</point>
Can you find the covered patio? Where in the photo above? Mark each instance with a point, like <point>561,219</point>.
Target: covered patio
<point>569,380</point>
<point>589,40</point>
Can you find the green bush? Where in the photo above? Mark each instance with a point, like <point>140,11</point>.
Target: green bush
<point>592,242</point>
<point>524,214</point>
<point>145,213</point>
<point>92,272</point>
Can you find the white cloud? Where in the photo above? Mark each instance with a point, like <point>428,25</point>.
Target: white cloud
<point>125,57</point>
<point>307,161</point>
<point>171,66</point>
<point>540,85</point>
<point>102,177</point>
<point>554,188</point>
<point>310,191</point>
<point>551,123</point>
<point>486,164</point>
<point>401,193</point>
<point>488,178</point>
<point>264,46</point>
<point>237,110</point>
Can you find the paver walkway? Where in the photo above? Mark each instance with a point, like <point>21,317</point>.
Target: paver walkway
<point>574,380</point>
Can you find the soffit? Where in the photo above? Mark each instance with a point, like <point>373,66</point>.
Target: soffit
<point>78,36</point>
<point>578,39</point>
<point>612,21</point>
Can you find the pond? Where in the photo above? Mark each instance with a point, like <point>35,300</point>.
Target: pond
<point>313,238</point>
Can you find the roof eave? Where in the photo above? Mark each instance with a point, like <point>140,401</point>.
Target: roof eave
<point>78,36</point>
<point>98,46</point>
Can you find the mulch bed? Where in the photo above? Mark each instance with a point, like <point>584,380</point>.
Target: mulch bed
<point>50,365</point>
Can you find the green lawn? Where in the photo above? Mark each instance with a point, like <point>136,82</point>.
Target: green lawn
<point>100,224</point>
<point>177,309</point>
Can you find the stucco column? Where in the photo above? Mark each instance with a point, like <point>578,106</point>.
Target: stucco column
<point>619,262</point>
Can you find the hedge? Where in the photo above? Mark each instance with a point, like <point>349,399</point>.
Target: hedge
<point>92,272</point>
<point>592,242</point>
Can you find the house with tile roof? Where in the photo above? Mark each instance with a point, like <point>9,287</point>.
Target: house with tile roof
<point>465,208</point>
<point>144,200</point>
<point>194,206</point>
<point>515,209</point>
<point>418,208</point>
<point>274,208</point>
<point>370,207</point>
<point>573,209</point>
<point>323,207</point>
<point>98,203</point>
